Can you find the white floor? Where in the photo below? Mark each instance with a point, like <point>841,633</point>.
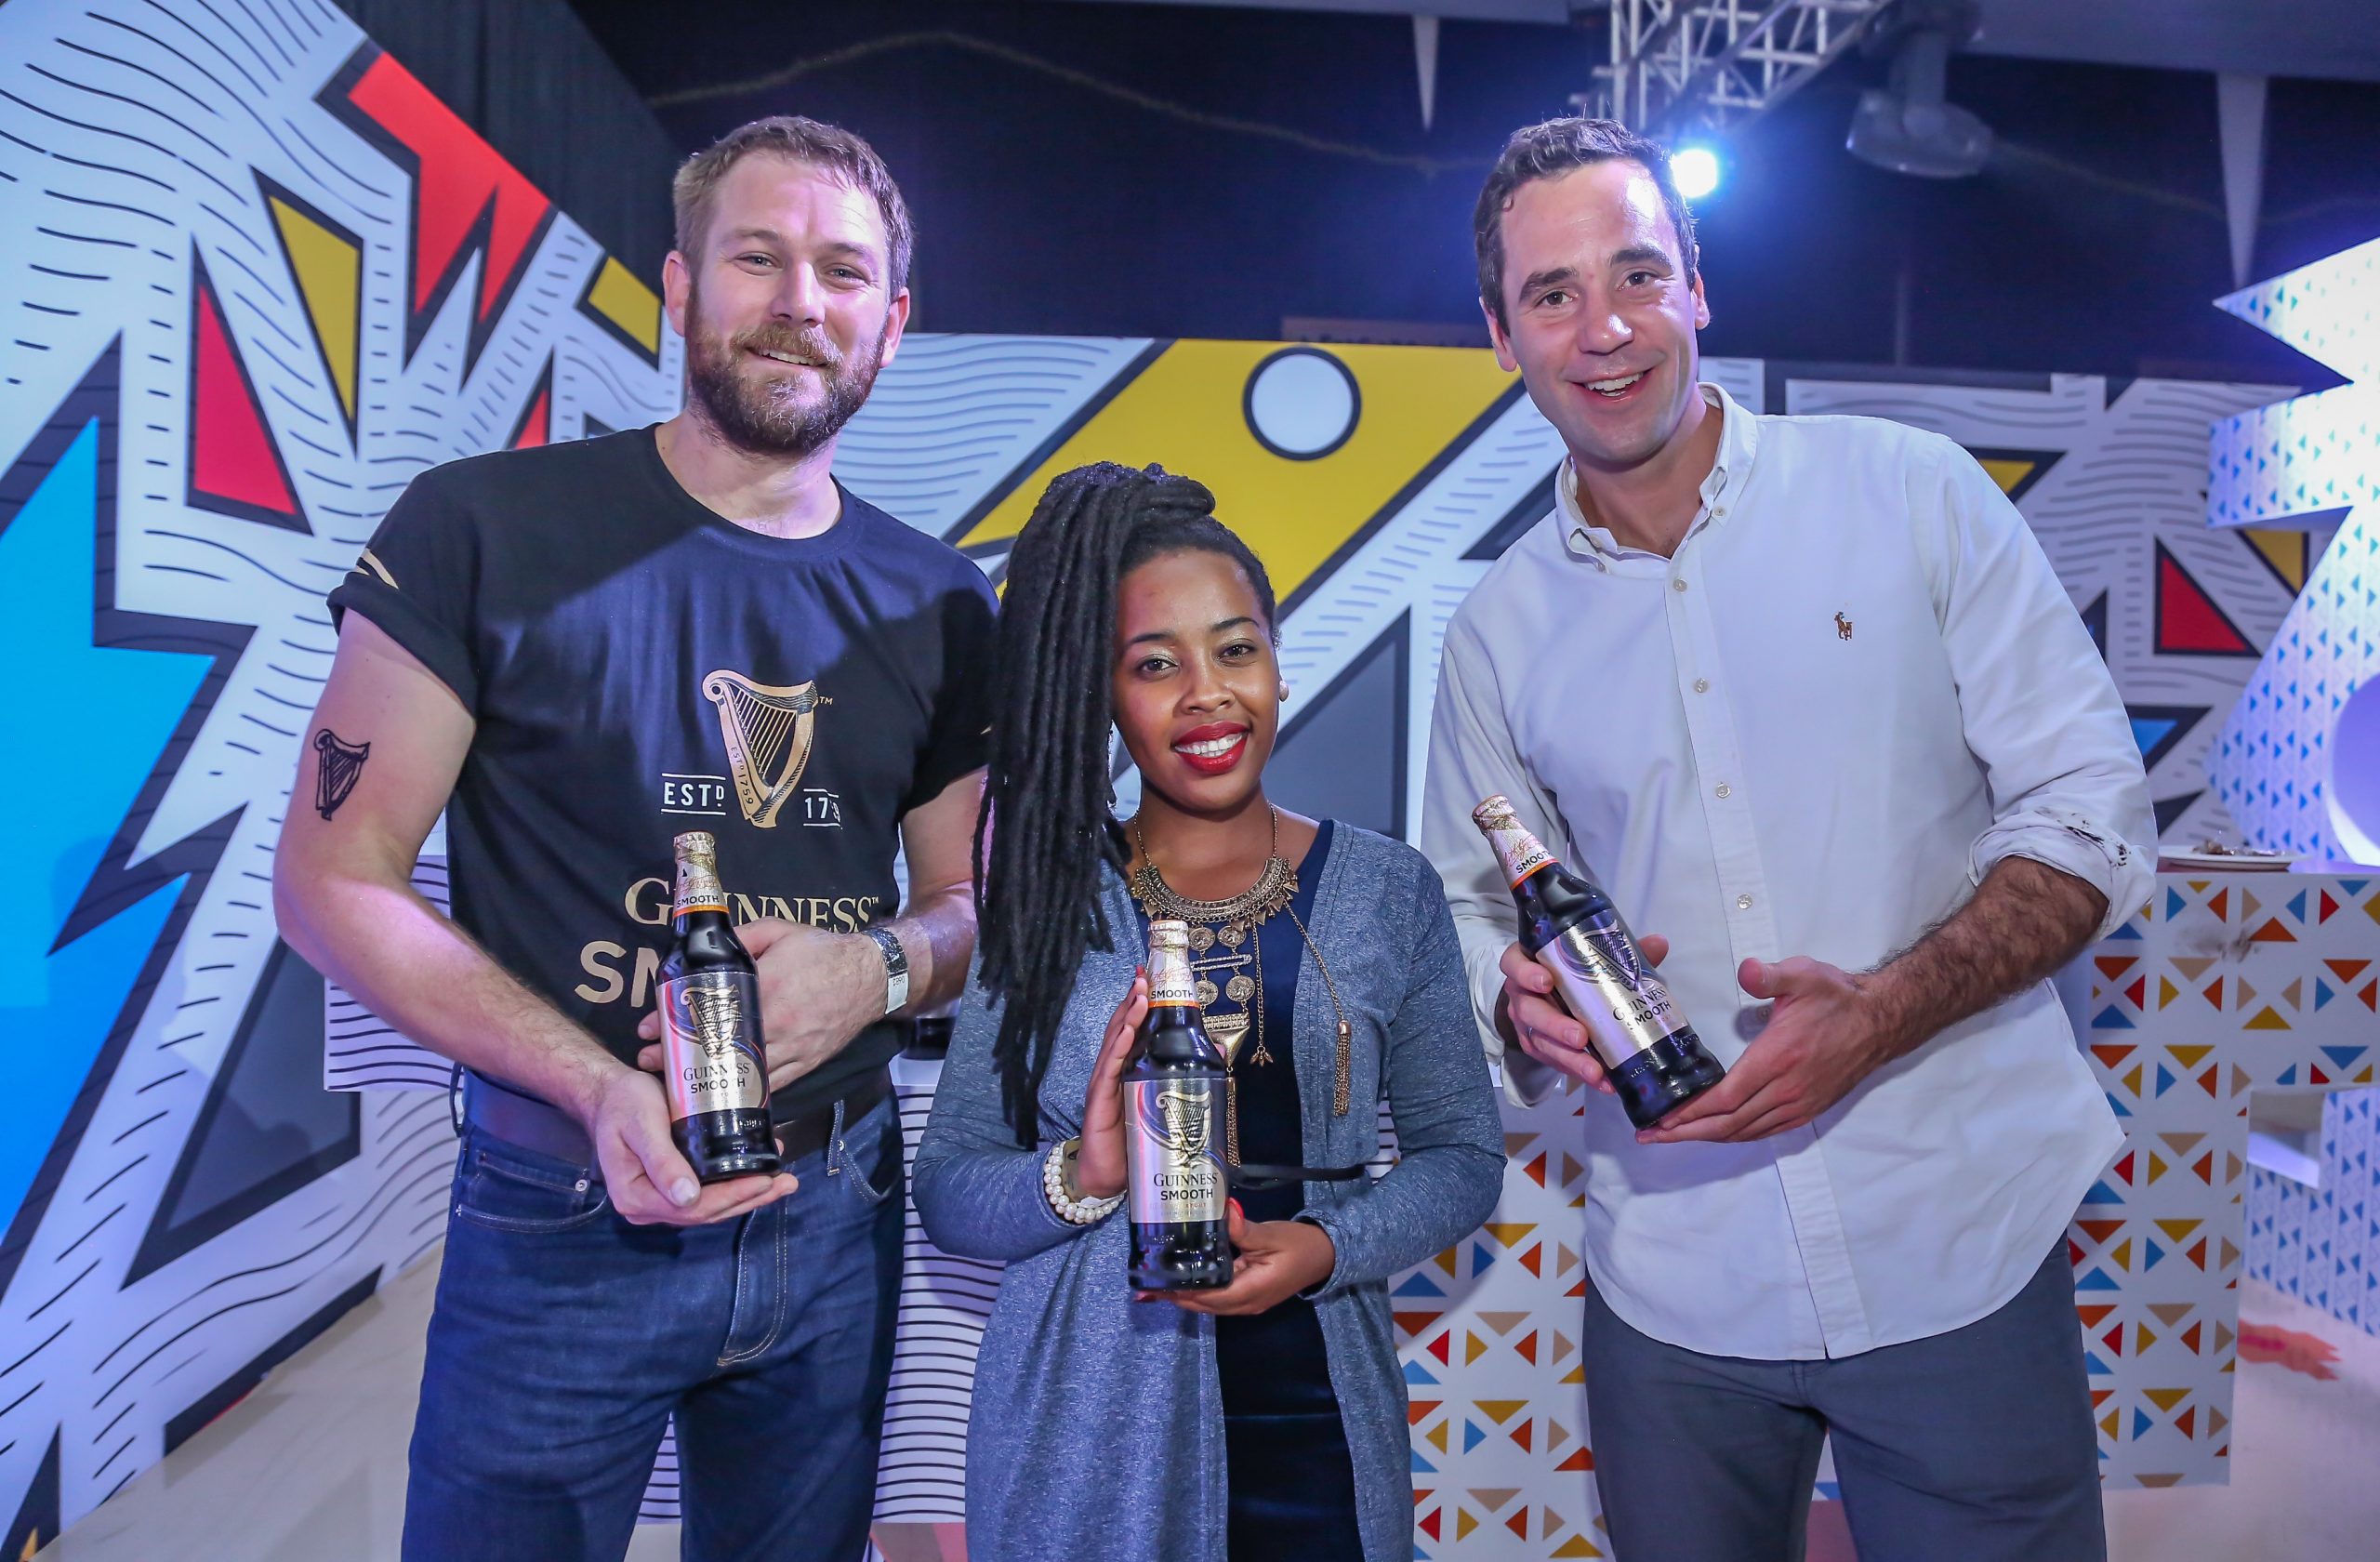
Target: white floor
<point>310,1467</point>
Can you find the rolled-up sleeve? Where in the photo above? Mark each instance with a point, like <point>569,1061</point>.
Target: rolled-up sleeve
<point>2041,710</point>
<point>1472,757</point>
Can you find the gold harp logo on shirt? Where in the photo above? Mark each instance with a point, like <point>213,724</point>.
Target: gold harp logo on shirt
<point>769,730</point>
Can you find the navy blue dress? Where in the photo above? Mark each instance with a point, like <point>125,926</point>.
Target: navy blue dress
<point>1291,1482</point>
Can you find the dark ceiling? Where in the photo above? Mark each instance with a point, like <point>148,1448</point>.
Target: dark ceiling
<point>1192,169</point>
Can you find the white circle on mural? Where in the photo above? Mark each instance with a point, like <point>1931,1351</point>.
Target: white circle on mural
<point>1301,403</point>
<point>2354,790</point>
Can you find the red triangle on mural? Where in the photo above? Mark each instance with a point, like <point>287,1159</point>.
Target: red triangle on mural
<point>536,424</point>
<point>2272,933</point>
<point>2123,1167</point>
<point>2347,969</point>
<point>2139,992</point>
<point>2189,623</point>
<point>234,466</point>
<point>2330,908</point>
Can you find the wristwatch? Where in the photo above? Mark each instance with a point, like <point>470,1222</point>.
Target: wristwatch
<point>896,967</point>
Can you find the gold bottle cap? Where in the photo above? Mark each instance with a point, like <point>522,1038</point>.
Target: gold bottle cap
<point>1171,981</point>
<point>1517,848</point>
<point>698,885</point>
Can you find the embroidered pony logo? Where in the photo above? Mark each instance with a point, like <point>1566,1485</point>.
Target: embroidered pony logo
<point>1842,627</point>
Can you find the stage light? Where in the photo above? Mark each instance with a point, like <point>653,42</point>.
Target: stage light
<point>1906,127</point>
<point>1697,171</point>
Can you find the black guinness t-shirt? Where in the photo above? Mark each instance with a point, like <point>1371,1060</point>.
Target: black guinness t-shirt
<point>640,667</point>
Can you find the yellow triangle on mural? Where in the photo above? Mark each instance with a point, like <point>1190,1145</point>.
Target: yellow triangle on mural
<point>2178,1230</point>
<point>2285,551</point>
<point>1367,419</point>
<point>2166,1398</point>
<point>1577,1546</point>
<point>1499,1411</point>
<point>621,297</point>
<point>2007,471</point>
<point>329,270</point>
<point>1463,1524</point>
<point>1473,1348</point>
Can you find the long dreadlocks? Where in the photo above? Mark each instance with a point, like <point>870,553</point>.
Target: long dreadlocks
<point>1050,823</point>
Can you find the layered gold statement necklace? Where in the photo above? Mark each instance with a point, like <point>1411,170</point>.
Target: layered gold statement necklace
<point>1232,923</point>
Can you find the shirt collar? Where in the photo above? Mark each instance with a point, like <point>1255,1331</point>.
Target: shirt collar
<point>1738,439</point>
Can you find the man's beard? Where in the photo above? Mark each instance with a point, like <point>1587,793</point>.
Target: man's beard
<point>760,416</point>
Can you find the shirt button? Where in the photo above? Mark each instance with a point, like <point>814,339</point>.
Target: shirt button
<point>1703,685</point>
<point>1725,789</point>
<point>1721,511</point>
<point>1744,903</point>
<point>1677,585</point>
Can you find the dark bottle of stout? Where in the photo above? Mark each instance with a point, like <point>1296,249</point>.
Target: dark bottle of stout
<point>1570,926</point>
<point>713,1057</point>
<point>1174,1114</point>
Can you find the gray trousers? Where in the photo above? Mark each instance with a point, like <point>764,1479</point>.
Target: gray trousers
<point>1975,1445</point>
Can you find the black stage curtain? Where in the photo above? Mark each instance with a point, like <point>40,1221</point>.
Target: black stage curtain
<point>527,75</point>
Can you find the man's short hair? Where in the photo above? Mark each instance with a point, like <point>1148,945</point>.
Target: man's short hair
<point>829,147</point>
<point>1548,151</point>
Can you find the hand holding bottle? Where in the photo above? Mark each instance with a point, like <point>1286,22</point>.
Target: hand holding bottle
<point>1099,1165</point>
<point>1544,1029</point>
<point>1275,1260</point>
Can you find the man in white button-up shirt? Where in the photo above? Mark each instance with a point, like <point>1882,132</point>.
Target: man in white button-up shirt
<point>1805,696</point>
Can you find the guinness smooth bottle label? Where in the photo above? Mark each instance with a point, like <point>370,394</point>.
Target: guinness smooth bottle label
<point>1604,981</point>
<point>709,1049</point>
<point>1177,1176</point>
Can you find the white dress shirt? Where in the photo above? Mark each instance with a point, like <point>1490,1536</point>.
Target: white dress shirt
<point>1856,687</point>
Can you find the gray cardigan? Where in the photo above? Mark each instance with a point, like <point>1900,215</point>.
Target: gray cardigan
<point>1097,1424</point>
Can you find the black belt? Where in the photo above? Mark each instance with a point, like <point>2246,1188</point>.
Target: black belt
<point>501,1112</point>
<point>1257,1177</point>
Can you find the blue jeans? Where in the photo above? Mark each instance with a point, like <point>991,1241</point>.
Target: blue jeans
<point>564,1339</point>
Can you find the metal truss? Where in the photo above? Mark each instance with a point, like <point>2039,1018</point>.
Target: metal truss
<point>1679,66</point>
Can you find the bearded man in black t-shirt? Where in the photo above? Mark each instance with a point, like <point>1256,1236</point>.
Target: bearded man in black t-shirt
<point>576,653</point>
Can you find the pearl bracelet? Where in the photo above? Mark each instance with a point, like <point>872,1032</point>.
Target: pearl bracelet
<point>1074,1212</point>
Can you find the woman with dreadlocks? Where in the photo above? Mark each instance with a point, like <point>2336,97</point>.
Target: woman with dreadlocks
<point>1266,1419</point>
